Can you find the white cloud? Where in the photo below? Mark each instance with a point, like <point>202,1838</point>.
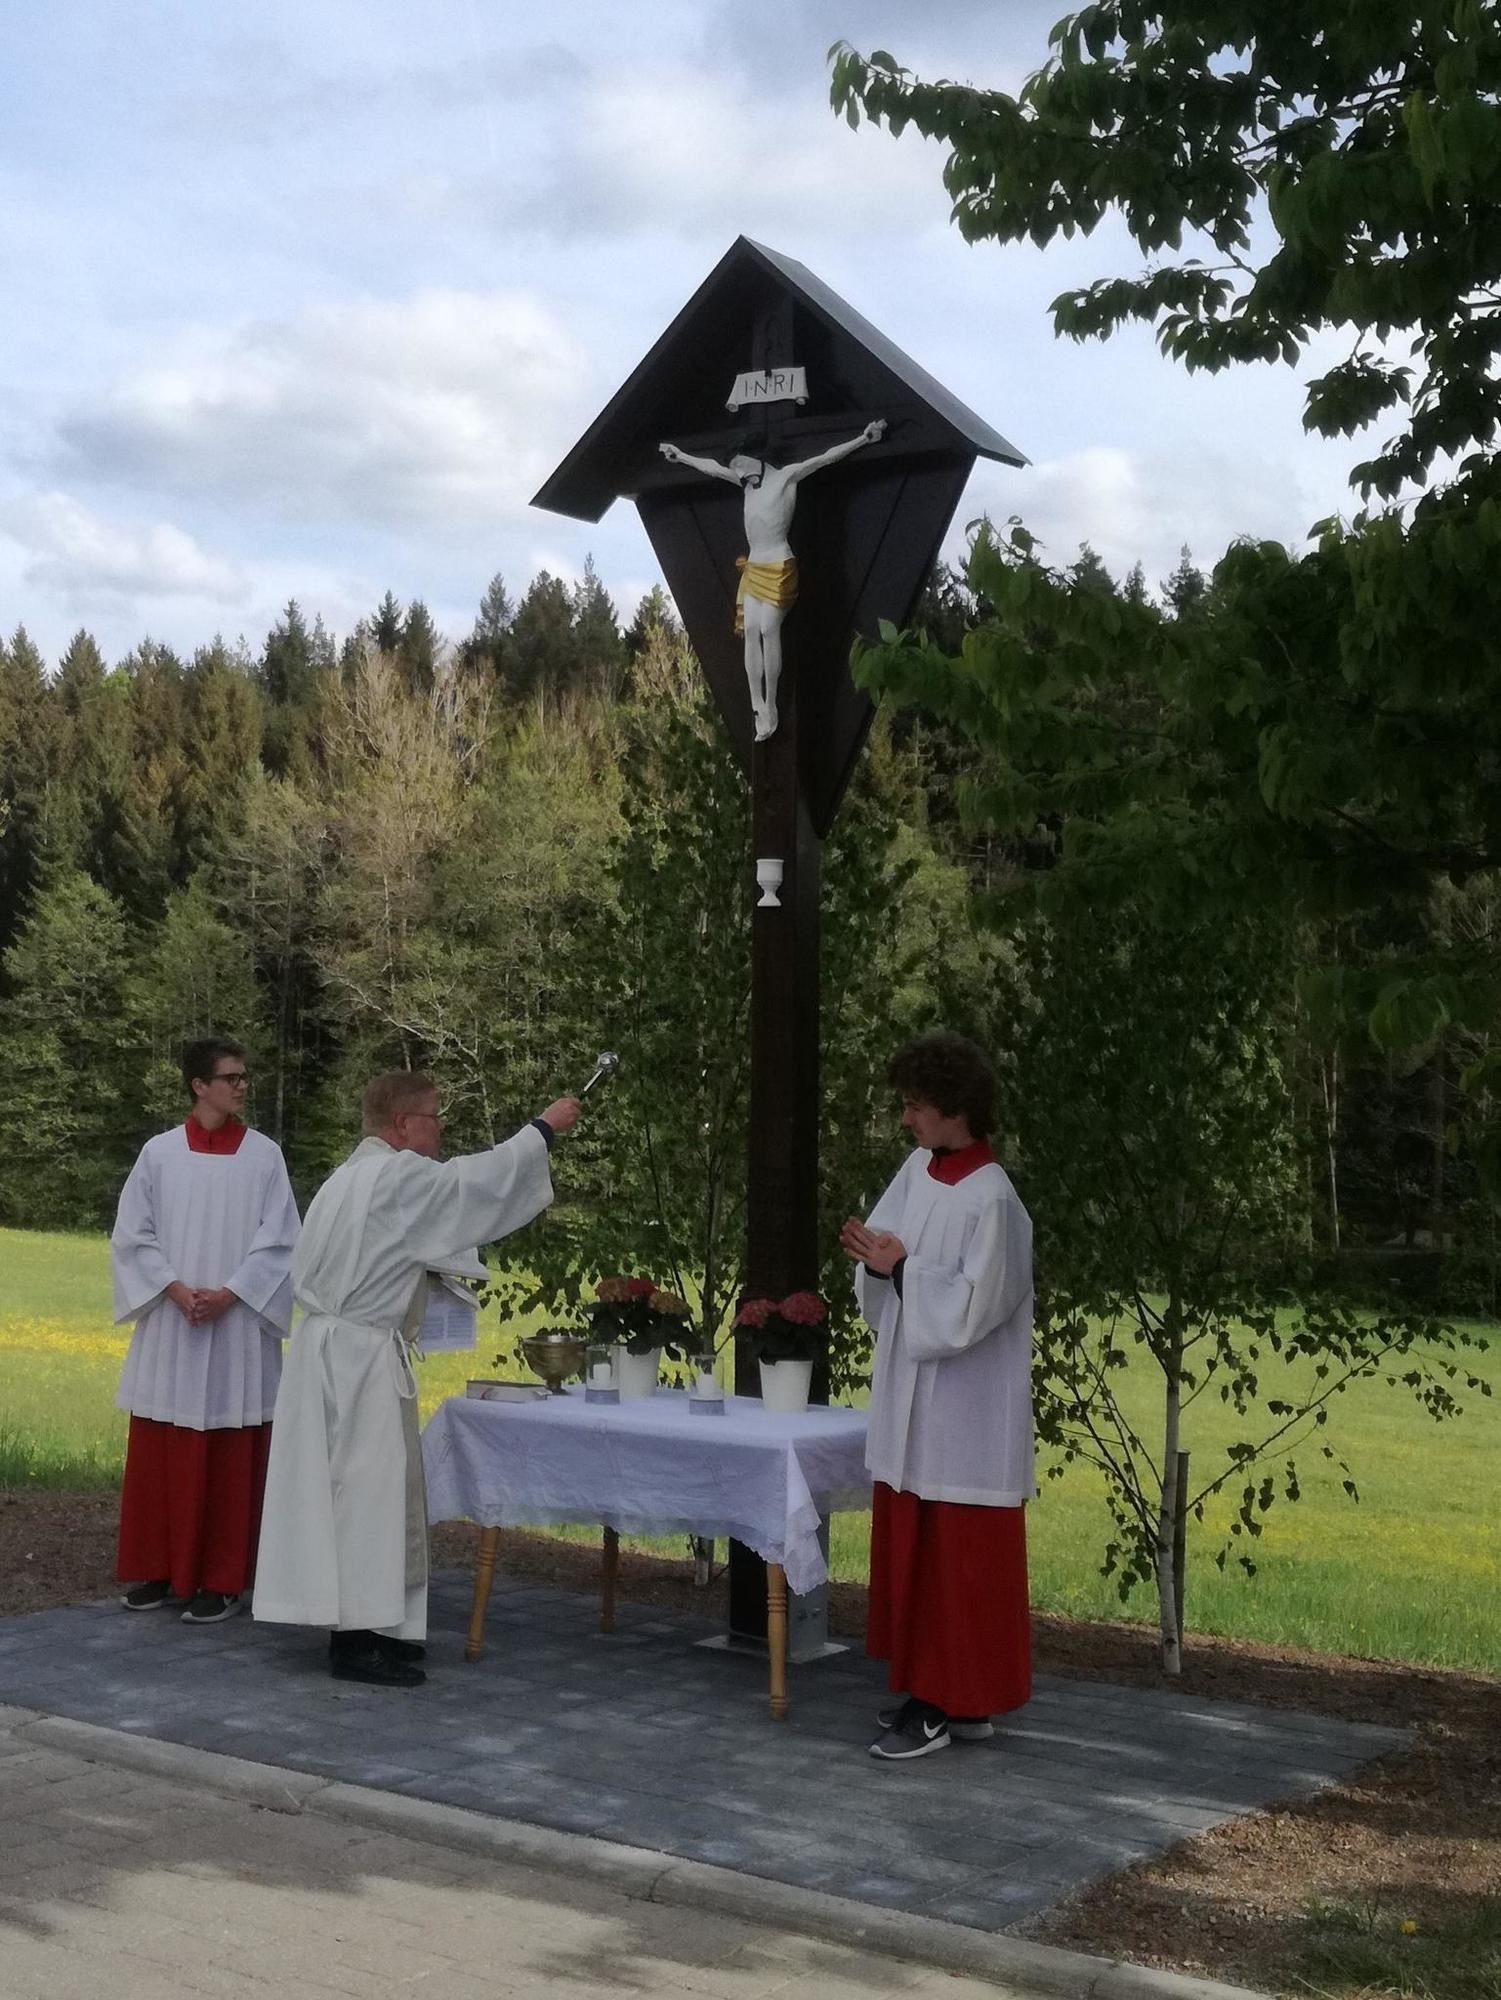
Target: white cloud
<point>84,559</point>
<point>1147,506</point>
<point>669,149</point>
<point>424,411</point>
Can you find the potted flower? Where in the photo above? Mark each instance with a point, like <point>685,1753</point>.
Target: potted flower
<point>786,1336</point>
<point>641,1321</point>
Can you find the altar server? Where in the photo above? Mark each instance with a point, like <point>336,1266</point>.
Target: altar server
<point>944,1276</point>
<point>344,1540</point>
<point>201,1258</point>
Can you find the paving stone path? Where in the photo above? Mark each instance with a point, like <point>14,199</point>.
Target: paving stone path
<point>642,1738</point>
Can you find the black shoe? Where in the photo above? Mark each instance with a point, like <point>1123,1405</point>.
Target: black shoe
<point>409,1650</point>
<point>372,1666</point>
<point>412,1651</point>
<point>211,1607</point>
<point>922,1732</point>
<point>149,1596</point>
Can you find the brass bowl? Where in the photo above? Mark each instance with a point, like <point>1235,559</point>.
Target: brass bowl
<point>555,1353</point>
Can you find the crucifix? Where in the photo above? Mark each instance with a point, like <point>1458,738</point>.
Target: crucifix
<point>768,569</point>
<point>813,388</point>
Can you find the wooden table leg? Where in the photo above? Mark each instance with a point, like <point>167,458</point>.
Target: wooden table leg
<point>484,1576</point>
<point>776,1638</point>
<point>609,1569</point>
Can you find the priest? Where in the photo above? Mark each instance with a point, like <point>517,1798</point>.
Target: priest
<point>344,1539</point>
<point>944,1276</point>
<point>201,1258</point>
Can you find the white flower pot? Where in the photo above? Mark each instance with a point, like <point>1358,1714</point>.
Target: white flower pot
<point>785,1385</point>
<point>636,1373</point>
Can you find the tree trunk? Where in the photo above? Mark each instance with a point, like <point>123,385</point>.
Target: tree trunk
<point>1167,1518</point>
<point>1329,1080</point>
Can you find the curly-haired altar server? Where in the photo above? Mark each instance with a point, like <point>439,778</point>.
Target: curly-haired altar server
<point>944,1275</point>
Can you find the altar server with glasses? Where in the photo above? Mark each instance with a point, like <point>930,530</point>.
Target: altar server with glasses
<point>201,1257</point>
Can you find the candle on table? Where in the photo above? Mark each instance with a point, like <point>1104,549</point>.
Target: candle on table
<point>599,1375</point>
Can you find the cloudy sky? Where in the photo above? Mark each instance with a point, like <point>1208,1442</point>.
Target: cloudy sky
<point>306,298</point>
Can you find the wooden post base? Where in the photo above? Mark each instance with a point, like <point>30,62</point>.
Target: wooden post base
<point>776,1638</point>
<point>484,1576</point>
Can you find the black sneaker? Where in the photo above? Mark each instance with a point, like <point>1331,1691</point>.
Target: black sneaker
<point>149,1596</point>
<point>922,1732</point>
<point>372,1666</point>
<point>896,1713</point>
<point>962,1728</point>
<point>211,1607</point>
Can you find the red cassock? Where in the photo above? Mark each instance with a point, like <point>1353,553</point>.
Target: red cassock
<point>190,1502</point>
<point>948,1607</point>
<point>948,1602</point>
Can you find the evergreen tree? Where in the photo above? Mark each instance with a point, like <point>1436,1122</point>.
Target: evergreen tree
<point>419,648</point>
<point>223,719</point>
<point>195,978</point>
<point>483,652</point>
<point>293,670</point>
<point>544,653</point>
<point>1186,586</point>
<point>70,1116</point>
<point>654,615</point>
<point>601,653</point>
<point>1089,573</point>
<point>31,757</point>
<point>386,626</point>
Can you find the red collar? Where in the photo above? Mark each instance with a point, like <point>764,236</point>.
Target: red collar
<point>225,1139</point>
<point>958,1165</point>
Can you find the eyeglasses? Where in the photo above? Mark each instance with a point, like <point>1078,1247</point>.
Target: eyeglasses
<point>436,1116</point>
<point>236,1076</point>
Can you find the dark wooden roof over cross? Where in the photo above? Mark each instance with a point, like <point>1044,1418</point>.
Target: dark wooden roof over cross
<point>866,534</point>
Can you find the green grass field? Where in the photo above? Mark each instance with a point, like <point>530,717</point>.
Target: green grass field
<point>1413,1572</point>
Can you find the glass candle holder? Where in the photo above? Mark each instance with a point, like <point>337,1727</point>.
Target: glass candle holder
<point>705,1396</point>
<point>600,1384</point>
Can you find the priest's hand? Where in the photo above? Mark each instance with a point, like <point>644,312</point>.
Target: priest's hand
<point>211,1303</point>
<point>183,1297</point>
<point>563,1115</point>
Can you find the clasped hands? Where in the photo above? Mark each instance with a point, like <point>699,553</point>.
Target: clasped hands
<point>877,1249</point>
<point>202,1305</point>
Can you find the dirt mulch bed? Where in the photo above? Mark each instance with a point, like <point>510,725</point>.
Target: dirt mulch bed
<point>1416,1837</point>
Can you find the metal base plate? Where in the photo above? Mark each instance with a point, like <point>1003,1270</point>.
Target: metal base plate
<point>732,1642</point>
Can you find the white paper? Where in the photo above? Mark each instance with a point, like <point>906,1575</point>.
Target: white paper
<point>450,1321</point>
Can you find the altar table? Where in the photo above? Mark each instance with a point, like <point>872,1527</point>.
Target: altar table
<point>651,1467</point>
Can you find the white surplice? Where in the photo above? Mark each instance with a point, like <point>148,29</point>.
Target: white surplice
<point>344,1529</point>
<point>951,1391</point>
<point>206,1220</point>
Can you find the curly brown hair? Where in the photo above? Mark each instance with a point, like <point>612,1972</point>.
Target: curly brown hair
<point>951,1074</point>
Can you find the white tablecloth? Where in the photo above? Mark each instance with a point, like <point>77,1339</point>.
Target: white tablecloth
<point>652,1468</point>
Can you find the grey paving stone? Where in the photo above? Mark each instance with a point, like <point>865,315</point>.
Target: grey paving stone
<point>642,1738</point>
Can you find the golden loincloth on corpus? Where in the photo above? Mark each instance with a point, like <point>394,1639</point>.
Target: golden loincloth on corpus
<point>774,583</point>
